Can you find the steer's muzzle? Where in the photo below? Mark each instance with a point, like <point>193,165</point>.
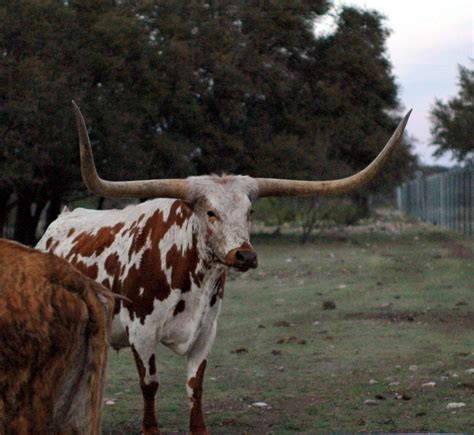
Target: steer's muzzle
<point>242,258</point>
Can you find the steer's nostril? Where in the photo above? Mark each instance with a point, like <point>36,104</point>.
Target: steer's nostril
<point>252,256</point>
<point>246,258</point>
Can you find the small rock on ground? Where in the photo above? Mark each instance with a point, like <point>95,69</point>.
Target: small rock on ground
<point>370,402</point>
<point>455,405</point>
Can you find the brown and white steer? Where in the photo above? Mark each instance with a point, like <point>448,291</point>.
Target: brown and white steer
<point>169,257</point>
<point>54,324</point>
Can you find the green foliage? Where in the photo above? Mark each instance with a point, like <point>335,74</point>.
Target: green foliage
<point>274,211</point>
<point>453,121</point>
<point>340,213</point>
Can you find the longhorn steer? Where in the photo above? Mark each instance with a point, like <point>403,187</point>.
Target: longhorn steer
<point>54,323</point>
<point>170,257</point>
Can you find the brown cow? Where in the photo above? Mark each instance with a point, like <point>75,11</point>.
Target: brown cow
<point>54,323</point>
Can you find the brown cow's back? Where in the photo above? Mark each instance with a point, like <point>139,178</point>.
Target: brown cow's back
<point>53,334</point>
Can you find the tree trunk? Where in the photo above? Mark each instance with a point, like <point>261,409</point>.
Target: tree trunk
<point>23,221</point>
<point>53,210</point>
<point>40,205</point>
<point>310,220</point>
<point>361,201</point>
<point>4,210</point>
<point>26,221</point>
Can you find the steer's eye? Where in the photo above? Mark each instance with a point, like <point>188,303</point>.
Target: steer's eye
<point>211,214</point>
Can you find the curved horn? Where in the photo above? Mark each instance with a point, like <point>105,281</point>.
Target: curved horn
<point>279,187</point>
<point>176,188</point>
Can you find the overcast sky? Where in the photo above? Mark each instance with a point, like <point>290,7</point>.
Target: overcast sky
<point>429,39</point>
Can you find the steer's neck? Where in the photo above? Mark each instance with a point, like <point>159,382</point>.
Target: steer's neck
<point>209,267</point>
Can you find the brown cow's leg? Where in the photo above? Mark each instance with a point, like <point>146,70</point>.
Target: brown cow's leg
<point>149,389</point>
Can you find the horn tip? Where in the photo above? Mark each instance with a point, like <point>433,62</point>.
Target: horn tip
<point>76,107</point>
<point>404,121</point>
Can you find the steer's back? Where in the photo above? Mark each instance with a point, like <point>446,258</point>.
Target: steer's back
<point>93,231</point>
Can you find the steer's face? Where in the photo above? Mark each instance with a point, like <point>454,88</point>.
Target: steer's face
<point>223,205</point>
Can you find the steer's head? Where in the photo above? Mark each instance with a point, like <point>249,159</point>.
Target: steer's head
<point>223,204</point>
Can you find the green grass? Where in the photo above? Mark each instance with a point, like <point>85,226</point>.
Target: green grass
<point>401,300</point>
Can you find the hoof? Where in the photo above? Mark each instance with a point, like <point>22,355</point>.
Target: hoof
<point>153,430</point>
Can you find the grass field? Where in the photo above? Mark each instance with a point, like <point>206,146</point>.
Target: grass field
<point>403,317</point>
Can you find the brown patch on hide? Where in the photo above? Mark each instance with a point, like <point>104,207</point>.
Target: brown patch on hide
<point>179,307</point>
<point>70,232</point>
<point>53,330</point>
<point>152,365</point>
<point>218,288</point>
<point>133,228</point>
<point>112,263</point>
<point>54,246</point>
<point>183,266</point>
<point>87,244</point>
<point>90,271</point>
<point>213,300</point>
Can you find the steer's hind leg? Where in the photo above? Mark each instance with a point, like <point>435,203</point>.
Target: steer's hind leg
<point>145,360</point>
<point>197,360</point>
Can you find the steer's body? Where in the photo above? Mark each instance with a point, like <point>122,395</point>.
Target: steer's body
<point>169,257</point>
<point>158,255</point>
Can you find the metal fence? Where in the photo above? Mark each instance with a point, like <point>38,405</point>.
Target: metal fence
<point>445,199</point>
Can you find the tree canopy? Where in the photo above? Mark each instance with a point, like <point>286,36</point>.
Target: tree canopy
<point>453,121</point>
<point>175,88</point>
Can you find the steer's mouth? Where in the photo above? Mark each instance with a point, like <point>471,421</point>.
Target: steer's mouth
<point>242,259</point>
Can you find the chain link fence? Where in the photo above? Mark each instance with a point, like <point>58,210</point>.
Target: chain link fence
<point>445,199</point>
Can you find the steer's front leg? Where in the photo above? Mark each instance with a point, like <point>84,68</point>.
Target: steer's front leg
<point>144,354</point>
<point>197,360</point>
<point>196,422</point>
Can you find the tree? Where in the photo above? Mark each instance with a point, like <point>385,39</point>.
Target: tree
<point>358,98</point>
<point>97,53</point>
<point>453,122</point>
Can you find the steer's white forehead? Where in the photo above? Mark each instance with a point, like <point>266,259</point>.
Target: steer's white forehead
<point>226,188</point>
